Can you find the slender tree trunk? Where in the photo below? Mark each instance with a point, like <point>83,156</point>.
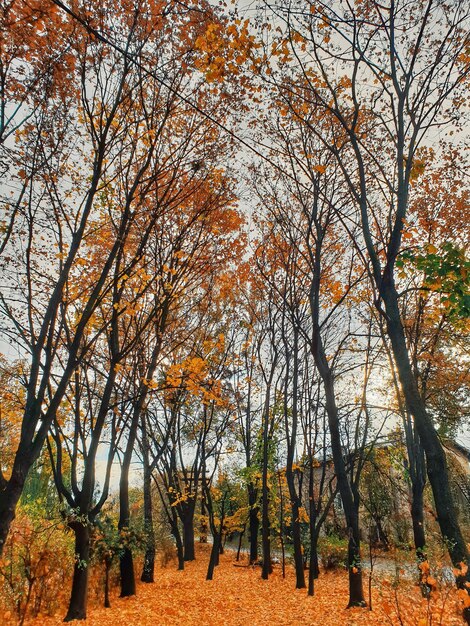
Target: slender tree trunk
<point>149,557</point>
<point>253,523</point>
<point>203,526</point>
<point>265,524</point>
<point>351,513</point>
<point>313,568</point>
<point>294,494</point>
<point>78,597</point>
<point>417,518</point>
<point>281,526</point>
<point>240,538</point>
<point>179,544</point>
<point>126,562</point>
<point>214,558</point>
<point>296,537</point>
<point>266,534</point>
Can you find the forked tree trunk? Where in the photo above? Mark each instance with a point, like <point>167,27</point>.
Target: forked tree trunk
<point>78,597</point>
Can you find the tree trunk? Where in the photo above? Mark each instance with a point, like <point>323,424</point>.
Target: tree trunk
<point>417,518</point>
<point>11,493</point>
<point>213,557</point>
<point>266,535</point>
<point>149,557</point>
<point>296,537</point>
<point>253,523</point>
<point>126,562</point>
<point>281,526</point>
<point>179,544</point>
<point>265,524</point>
<point>215,552</point>
<point>78,597</point>
<point>350,507</point>
<point>435,457</point>
<point>240,538</point>
<point>148,568</point>
<point>203,525</point>
<point>188,535</point>
<point>126,566</point>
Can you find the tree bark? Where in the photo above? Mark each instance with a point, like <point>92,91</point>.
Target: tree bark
<point>435,457</point>
<point>265,523</point>
<point>188,535</point>
<point>10,495</point>
<point>126,567</point>
<point>215,552</point>
<point>179,543</point>
<point>149,557</point>
<point>417,518</point>
<point>296,537</point>
<point>350,507</point>
<point>126,562</point>
<point>253,523</point>
<point>78,597</point>
<point>240,539</point>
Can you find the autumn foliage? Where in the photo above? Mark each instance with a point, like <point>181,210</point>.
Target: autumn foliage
<point>234,305</point>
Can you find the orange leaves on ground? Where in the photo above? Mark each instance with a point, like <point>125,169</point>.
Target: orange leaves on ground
<point>238,596</point>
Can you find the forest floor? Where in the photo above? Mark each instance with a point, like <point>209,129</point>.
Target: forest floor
<point>238,596</point>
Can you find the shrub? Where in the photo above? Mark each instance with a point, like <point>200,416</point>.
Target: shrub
<point>36,564</point>
<point>333,552</point>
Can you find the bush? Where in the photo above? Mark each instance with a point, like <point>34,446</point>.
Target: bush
<point>333,552</point>
<point>36,565</point>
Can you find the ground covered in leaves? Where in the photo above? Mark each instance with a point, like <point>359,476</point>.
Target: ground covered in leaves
<point>238,596</point>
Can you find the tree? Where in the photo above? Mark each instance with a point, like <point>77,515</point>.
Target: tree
<point>416,63</point>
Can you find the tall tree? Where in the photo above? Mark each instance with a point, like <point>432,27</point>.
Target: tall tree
<point>414,64</point>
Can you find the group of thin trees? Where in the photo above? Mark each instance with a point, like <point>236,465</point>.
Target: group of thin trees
<point>151,323</point>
